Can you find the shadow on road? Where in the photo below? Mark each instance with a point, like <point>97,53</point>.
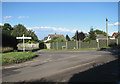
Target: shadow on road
<point>108,72</point>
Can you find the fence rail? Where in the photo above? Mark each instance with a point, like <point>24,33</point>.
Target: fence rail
<point>80,44</point>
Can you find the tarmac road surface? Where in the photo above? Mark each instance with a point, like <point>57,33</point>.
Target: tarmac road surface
<point>58,66</point>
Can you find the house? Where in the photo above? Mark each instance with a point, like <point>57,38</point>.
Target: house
<point>50,36</point>
<point>114,35</point>
<point>101,36</point>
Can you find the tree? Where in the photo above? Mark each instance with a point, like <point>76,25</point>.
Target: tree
<point>92,35</point>
<point>7,26</point>
<point>81,36</point>
<point>19,30</point>
<point>76,35</point>
<point>7,39</point>
<point>57,39</point>
<point>100,32</point>
<point>73,38</point>
<point>67,38</point>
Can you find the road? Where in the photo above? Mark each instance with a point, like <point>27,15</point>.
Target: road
<point>58,66</point>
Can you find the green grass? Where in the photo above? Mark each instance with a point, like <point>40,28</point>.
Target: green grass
<point>28,47</point>
<point>16,57</point>
<point>70,49</point>
<point>6,49</point>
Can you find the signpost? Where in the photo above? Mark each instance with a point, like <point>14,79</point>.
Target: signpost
<point>23,40</point>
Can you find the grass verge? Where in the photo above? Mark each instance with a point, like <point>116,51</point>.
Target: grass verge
<point>16,57</point>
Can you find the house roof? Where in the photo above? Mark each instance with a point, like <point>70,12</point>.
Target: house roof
<point>100,36</point>
<point>53,35</point>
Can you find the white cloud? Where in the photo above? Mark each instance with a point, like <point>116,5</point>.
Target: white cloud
<point>1,24</point>
<point>115,24</point>
<point>21,17</point>
<point>7,17</point>
<point>60,29</point>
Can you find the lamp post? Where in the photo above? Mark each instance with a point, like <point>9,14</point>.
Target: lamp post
<point>107,30</point>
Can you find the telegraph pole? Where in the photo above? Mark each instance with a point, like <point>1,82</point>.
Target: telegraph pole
<point>107,30</point>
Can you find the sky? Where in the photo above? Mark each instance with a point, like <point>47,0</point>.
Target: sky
<point>61,17</point>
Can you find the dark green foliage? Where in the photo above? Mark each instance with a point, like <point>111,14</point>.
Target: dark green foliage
<point>7,39</point>
<point>42,45</point>
<point>76,35</point>
<point>56,39</point>
<point>73,38</point>
<point>19,30</point>
<point>87,40</point>
<point>7,26</point>
<point>67,38</point>
<point>100,32</point>
<point>9,35</point>
<point>92,35</point>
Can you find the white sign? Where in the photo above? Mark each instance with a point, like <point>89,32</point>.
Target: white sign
<point>23,40</point>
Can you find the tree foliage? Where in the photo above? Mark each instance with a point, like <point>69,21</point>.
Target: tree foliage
<point>19,30</point>
<point>76,35</point>
<point>10,33</point>
<point>92,35</point>
<point>67,38</point>
<point>57,39</point>
<point>100,32</point>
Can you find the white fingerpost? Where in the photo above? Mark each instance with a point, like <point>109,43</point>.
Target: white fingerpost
<point>23,37</point>
<point>98,42</point>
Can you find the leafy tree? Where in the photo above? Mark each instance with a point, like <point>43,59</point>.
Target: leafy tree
<point>7,26</point>
<point>92,35</point>
<point>76,35</point>
<point>100,32</point>
<point>57,39</point>
<point>67,38</point>
<point>7,39</point>
<point>19,30</point>
<point>87,40</point>
<point>73,38</point>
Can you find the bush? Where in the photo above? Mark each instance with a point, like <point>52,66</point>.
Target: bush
<point>9,41</point>
<point>42,45</point>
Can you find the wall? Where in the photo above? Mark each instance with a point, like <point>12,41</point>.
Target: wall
<point>31,45</point>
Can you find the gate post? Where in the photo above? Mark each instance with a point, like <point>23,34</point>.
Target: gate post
<point>66,44</point>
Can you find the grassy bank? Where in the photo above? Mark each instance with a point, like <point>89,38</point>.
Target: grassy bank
<point>6,49</point>
<point>16,57</point>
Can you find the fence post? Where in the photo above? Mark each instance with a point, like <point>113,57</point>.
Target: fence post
<point>66,44</point>
<point>57,45</point>
<point>76,44</point>
<point>79,44</point>
<point>117,42</point>
<point>98,42</point>
<point>53,45</point>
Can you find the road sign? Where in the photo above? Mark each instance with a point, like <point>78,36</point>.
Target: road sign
<point>23,40</point>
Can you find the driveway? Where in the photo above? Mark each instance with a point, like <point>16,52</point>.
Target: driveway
<point>58,66</point>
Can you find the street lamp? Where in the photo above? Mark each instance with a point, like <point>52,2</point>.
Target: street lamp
<point>107,30</point>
